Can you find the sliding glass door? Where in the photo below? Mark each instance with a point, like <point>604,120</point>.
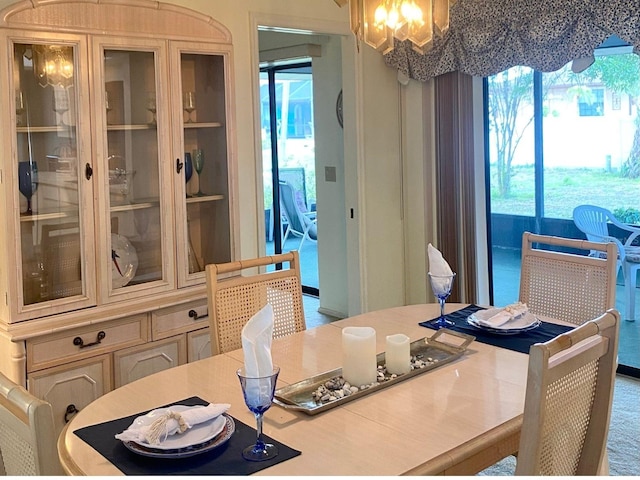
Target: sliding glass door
<point>555,141</point>
<point>289,165</point>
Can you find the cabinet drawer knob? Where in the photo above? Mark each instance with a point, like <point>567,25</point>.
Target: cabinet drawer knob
<point>80,343</point>
<point>179,165</point>
<point>71,409</point>
<point>88,171</point>
<point>193,314</point>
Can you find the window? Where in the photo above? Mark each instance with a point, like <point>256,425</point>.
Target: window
<point>592,103</point>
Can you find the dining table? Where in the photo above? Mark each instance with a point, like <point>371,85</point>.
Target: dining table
<point>456,419</point>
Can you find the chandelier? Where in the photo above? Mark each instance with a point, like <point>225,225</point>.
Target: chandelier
<point>53,65</point>
<point>379,22</point>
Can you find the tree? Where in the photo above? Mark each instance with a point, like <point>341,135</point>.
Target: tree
<point>508,91</point>
<point>621,74</point>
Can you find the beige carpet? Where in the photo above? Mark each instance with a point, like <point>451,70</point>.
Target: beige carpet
<point>624,433</point>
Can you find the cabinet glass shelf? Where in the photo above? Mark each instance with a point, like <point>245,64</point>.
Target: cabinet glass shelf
<point>202,125</point>
<point>206,198</point>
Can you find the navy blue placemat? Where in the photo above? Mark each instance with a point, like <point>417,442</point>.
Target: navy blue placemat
<point>224,460</point>
<point>520,342</point>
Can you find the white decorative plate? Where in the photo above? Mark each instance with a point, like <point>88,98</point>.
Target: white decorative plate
<point>124,261</point>
<point>202,434</point>
<point>523,323</point>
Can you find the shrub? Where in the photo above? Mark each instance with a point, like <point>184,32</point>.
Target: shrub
<point>627,215</point>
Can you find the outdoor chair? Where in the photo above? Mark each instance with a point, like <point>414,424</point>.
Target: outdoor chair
<point>595,222</point>
<point>568,401</point>
<point>567,286</point>
<point>27,433</point>
<point>297,221</point>
<point>234,298</point>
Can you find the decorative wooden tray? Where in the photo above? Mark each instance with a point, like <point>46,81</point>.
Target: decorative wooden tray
<point>443,347</point>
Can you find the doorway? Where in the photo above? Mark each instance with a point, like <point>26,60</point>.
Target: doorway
<point>289,173</point>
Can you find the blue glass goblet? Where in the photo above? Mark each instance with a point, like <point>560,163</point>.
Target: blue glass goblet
<point>28,181</point>
<point>188,168</point>
<point>258,395</point>
<point>441,286</point>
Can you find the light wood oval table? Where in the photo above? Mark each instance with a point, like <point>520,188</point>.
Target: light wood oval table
<point>456,419</point>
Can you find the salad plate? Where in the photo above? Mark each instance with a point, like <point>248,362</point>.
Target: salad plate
<point>523,323</point>
<point>203,438</point>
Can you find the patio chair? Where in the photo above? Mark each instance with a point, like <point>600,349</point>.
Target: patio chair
<point>567,286</point>
<point>233,300</point>
<point>298,222</point>
<point>576,370</point>
<point>27,433</point>
<point>594,222</point>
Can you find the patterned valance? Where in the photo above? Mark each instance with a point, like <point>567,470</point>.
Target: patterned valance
<point>489,36</point>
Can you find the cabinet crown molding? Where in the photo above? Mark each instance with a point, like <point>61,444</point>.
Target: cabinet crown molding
<point>144,17</point>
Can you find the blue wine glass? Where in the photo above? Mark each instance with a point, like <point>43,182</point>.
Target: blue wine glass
<point>441,286</point>
<point>258,395</point>
<point>28,181</point>
<point>188,168</point>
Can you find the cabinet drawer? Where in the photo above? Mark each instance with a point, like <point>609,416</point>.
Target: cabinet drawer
<point>137,362</point>
<point>180,319</point>
<point>69,388</point>
<point>84,342</point>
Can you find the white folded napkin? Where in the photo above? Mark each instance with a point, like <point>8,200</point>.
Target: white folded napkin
<point>503,315</point>
<point>257,335</point>
<point>438,266</point>
<point>171,422</point>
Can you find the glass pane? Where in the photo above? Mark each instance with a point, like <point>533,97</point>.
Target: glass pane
<point>206,168</point>
<point>133,167</point>
<point>511,141</point>
<point>589,129</point>
<point>293,86</point>
<point>47,171</point>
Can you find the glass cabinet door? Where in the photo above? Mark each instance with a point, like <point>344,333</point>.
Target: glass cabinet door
<point>201,105</point>
<point>54,192</point>
<point>136,253</point>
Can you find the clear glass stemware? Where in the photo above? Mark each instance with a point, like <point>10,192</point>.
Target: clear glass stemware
<point>258,395</point>
<point>198,165</point>
<point>441,286</point>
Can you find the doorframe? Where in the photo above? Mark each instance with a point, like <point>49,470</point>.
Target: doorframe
<point>355,294</point>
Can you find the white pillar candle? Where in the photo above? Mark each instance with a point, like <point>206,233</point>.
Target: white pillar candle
<point>398,357</point>
<point>359,362</point>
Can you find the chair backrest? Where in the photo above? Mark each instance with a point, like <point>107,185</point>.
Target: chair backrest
<point>27,435</point>
<point>567,286</point>
<point>298,221</point>
<point>568,400</point>
<point>594,222</point>
<point>233,300</point>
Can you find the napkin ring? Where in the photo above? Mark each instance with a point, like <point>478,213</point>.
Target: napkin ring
<point>159,427</point>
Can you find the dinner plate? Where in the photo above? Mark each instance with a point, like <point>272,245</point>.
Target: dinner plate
<point>124,261</point>
<point>223,435</point>
<point>524,323</point>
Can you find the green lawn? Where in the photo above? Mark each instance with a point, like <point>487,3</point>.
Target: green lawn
<point>564,189</point>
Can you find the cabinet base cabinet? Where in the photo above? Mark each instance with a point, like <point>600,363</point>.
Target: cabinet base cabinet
<point>199,345</point>
<point>71,387</point>
<point>136,362</point>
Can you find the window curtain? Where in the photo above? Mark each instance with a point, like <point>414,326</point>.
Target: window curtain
<point>488,36</point>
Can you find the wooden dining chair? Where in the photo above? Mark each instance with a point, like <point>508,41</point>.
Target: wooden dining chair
<point>568,400</point>
<point>27,433</point>
<point>234,298</point>
<point>565,285</point>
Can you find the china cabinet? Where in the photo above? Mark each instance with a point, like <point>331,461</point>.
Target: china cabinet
<point>118,180</point>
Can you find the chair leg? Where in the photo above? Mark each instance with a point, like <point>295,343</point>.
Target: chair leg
<point>629,292</point>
